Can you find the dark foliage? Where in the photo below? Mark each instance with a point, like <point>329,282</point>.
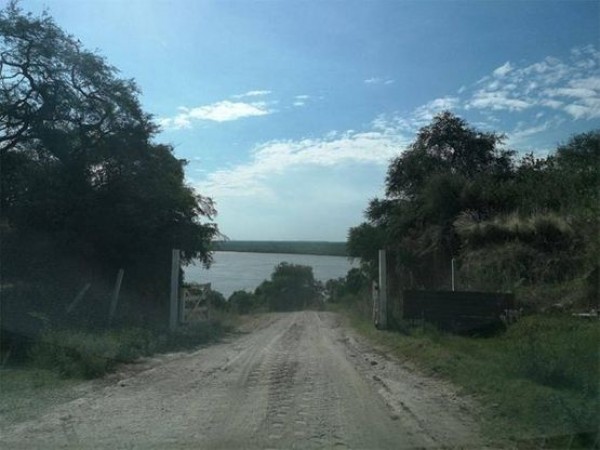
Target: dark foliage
<point>84,189</point>
<point>455,192</point>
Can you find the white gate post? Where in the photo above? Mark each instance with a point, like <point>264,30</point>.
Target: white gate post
<point>174,309</point>
<point>382,290</point>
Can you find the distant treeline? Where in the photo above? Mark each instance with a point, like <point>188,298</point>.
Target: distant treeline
<point>295,247</point>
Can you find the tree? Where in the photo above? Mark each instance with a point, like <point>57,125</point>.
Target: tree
<point>81,173</point>
<point>291,287</point>
<point>447,145</point>
<point>243,302</point>
<point>442,173</point>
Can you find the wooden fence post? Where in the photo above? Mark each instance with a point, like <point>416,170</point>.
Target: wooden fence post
<point>78,297</point>
<point>453,272</point>
<point>174,309</point>
<point>382,290</point>
<point>115,296</point>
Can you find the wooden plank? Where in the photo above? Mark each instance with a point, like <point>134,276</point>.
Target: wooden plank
<point>78,297</point>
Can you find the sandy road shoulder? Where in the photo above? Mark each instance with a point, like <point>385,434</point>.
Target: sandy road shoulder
<point>435,407</point>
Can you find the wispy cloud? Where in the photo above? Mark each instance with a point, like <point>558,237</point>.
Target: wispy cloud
<point>257,93</point>
<point>503,69</point>
<point>541,96</point>
<point>276,157</point>
<point>379,80</point>
<point>426,112</point>
<point>571,87</point>
<point>223,111</point>
<point>497,101</point>
<point>300,100</point>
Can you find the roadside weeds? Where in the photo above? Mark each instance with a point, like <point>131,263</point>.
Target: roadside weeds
<point>537,383</point>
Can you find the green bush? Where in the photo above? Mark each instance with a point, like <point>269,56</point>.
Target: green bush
<point>79,354</point>
<point>193,334</point>
<point>291,287</point>
<point>134,342</point>
<point>242,302</point>
<point>561,352</point>
<point>75,354</point>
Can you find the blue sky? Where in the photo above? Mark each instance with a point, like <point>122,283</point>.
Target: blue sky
<point>289,111</point>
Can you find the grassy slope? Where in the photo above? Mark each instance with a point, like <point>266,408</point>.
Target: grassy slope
<point>538,382</point>
<point>293,247</point>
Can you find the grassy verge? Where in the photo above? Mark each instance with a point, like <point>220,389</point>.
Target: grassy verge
<point>61,358</point>
<point>538,382</point>
<point>83,354</point>
<point>28,392</point>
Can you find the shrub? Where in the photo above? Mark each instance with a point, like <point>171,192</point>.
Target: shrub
<point>291,287</point>
<point>561,352</point>
<point>193,334</point>
<point>243,302</point>
<point>75,354</point>
<point>79,354</point>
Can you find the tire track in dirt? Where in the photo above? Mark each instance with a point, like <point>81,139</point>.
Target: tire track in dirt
<point>299,381</point>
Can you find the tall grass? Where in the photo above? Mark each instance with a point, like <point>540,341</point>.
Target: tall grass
<point>82,354</point>
<point>544,232</point>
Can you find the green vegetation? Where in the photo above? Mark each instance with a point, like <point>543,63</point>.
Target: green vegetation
<point>528,225</point>
<point>511,224</point>
<point>84,354</point>
<point>538,382</point>
<point>291,287</point>
<point>290,247</point>
<point>85,189</point>
<point>61,358</point>
<point>243,302</point>
<point>28,392</point>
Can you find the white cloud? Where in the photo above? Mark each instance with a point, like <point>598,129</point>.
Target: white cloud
<point>379,80</point>
<point>223,111</point>
<point>554,104</point>
<point>503,69</point>
<point>300,100</point>
<point>256,93</point>
<point>426,112</point>
<point>588,111</point>
<point>572,86</point>
<point>497,101</point>
<point>374,147</point>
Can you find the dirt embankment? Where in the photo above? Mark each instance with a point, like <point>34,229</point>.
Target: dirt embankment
<point>298,380</point>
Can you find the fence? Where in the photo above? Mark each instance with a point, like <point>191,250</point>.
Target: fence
<point>457,311</point>
<point>196,305</point>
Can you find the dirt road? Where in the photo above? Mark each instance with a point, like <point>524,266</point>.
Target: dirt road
<point>299,380</point>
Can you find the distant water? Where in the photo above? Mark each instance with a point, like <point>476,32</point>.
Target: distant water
<point>233,271</point>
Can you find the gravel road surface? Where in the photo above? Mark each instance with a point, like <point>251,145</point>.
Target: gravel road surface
<point>296,380</point>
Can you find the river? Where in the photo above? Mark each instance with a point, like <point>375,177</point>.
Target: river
<point>233,271</point>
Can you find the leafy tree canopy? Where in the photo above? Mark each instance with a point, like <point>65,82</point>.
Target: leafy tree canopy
<point>453,176</point>
<point>80,165</point>
<point>291,287</point>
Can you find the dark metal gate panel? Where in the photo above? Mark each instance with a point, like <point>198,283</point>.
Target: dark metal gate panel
<point>458,311</point>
